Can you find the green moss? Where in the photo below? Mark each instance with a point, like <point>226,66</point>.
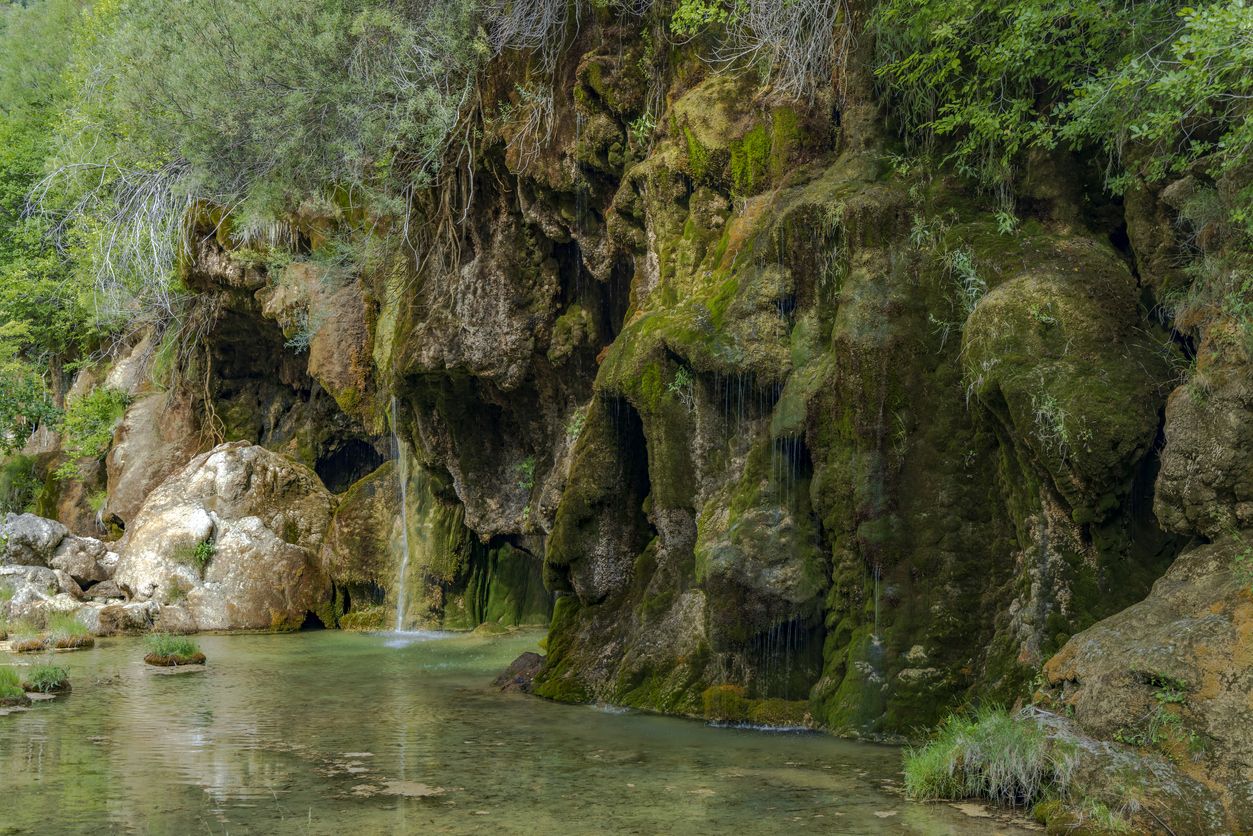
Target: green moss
<point>787,134</point>
<point>750,161</point>
<point>370,617</point>
<point>560,679</point>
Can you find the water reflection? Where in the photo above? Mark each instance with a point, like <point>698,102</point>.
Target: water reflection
<point>315,733</point>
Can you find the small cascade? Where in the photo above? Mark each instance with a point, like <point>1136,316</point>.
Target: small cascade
<point>403,475</point>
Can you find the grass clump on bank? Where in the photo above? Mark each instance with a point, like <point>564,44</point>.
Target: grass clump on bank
<point>47,679</point>
<point>66,632</point>
<point>11,691</point>
<point>26,637</point>
<point>165,650</point>
<point>988,754</point>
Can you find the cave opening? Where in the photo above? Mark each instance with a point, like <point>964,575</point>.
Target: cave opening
<point>346,463</point>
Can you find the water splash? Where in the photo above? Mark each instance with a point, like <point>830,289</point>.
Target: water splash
<point>403,638</point>
<point>403,474</point>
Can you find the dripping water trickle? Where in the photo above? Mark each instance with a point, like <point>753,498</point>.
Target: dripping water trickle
<point>875,636</point>
<point>403,475</point>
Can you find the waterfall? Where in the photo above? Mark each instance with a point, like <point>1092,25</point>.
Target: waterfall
<point>403,475</point>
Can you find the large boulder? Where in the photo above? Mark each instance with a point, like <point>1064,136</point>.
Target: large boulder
<point>28,540</point>
<point>235,537</point>
<point>1174,673</point>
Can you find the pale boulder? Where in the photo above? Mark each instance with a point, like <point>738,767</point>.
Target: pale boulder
<point>263,517</point>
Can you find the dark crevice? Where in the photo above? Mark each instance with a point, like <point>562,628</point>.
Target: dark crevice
<point>345,463</point>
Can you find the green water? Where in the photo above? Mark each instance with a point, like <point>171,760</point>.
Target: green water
<point>341,733</point>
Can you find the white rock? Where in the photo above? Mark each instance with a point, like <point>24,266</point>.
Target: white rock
<point>265,516</point>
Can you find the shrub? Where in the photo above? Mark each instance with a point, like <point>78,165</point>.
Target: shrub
<point>802,44</point>
<point>177,105</point>
<point>47,678</point>
<point>198,556</point>
<point>10,685</point>
<point>18,484</point>
<point>994,79</point>
<point>988,754</point>
<point>526,473</point>
<point>87,429</point>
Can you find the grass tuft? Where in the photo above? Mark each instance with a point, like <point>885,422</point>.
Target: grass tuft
<point>11,685</point>
<point>47,678</point>
<point>988,754</point>
<point>164,644</point>
<point>67,632</point>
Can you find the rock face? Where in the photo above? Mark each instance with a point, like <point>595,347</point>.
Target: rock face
<point>1174,673</point>
<point>1206,482</point>
<point>236,533</point>
<point>88,561</point>
<point>155,439</point>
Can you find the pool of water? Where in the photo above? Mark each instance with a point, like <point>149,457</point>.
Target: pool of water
<point>338,733</point>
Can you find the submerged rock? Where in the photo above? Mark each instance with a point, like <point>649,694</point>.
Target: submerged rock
<point>520,673</point>
<point>234,536</point>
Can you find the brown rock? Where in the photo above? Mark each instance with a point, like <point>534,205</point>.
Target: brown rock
<point>520,673</point>
<point>1174,673</point>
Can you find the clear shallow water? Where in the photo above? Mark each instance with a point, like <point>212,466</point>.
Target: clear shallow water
<point>334,732</point>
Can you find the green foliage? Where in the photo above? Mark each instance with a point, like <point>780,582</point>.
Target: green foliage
<point>251,104</point>
<point>97,500</point>
<point>526,473</point>
<point>18,484</point>
<point>970,286</point>
<point>987,754</point>
<point>681,387</point>
<point>198,555</point>
<point>164,644</point>
<point>87,429</point>
<point>574,426</point>
<point>10,684</point>
<point>998,78</point>
<point>47,678</point>
<point>642,128</point>
<point>691,17</point>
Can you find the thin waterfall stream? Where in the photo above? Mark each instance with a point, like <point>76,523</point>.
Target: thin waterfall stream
<point>402,472</point>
